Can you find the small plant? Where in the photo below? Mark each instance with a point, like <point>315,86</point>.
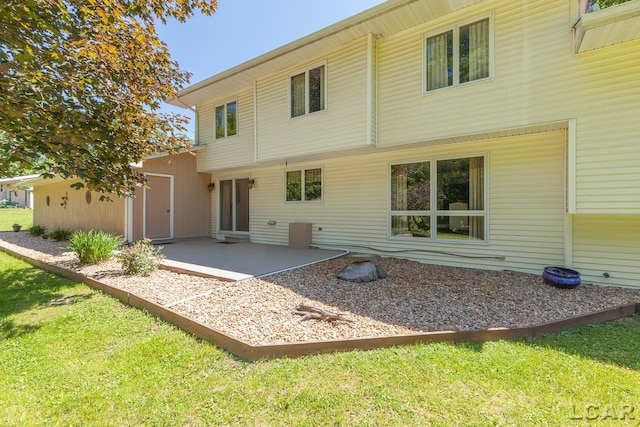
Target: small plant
<point>60,234</point>
<point>37,230</point>
<point>16,227</point>
<point>142,258</point>
<point>94,247</point>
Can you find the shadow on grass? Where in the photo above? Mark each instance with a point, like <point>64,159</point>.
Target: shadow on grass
<point>22,289</point>
<point>10,329</point>
<point>615,342</point>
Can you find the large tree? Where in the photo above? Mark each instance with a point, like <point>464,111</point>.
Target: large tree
<point>81,83</point>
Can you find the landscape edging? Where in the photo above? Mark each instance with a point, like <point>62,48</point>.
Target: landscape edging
<point>251,352</point>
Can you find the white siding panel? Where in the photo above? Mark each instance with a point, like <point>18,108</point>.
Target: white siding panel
<point>607,244</point>
<point>537,79</point>
<point>526,203</point>
<point>233,151</point>
<point>343,123</point>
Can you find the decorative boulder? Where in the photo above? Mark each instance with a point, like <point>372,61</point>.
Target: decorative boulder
<point>362,271</point>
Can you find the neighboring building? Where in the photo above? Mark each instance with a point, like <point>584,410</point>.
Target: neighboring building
<point>480,133</point>
<point>176,203</point>
<point>16,191</point>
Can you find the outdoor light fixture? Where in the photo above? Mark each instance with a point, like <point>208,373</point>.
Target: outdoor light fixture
<point>211,186</point>
<point>251,183</point>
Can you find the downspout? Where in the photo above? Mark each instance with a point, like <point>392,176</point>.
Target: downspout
<point>255,120</point>
<point>371,90</point>
<point>128,219</point>
<point>571,189</point>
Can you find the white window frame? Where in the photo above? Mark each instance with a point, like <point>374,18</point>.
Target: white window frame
<point>226,128</point>
<point>306,89</point>
<point>302,180</point>
<point>433,212</point>
<point>456,52</point>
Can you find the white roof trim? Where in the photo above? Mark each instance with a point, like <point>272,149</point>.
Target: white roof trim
<point>387,18</point>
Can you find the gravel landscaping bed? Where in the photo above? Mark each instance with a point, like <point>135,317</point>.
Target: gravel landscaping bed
<point>413,298</point>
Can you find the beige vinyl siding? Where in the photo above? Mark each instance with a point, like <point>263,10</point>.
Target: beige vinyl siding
<point>232,151</point>
<point>76,213</point>
<point>526,204</point>
<point>536,79</point>
<point>607,244</point>
<point>191,196</point>
<point>341,125</point>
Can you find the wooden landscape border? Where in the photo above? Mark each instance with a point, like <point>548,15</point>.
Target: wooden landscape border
<point>251,352</point>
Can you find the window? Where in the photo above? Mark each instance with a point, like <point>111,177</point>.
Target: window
<point>445,203</point>
<point>226,120</point>
<point>307,91</point>
<point>459,55</point>
<point>304,185</point>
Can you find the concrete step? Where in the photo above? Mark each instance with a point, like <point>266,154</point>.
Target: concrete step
<point>237,239</point>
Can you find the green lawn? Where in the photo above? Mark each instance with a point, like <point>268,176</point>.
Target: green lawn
<point>10,216</point>
<point>95,361</point>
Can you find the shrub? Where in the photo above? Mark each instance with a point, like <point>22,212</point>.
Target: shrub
<point>142,258</point>
<point>37,230</point>
<point>60,234</point>
<point>93,247</point>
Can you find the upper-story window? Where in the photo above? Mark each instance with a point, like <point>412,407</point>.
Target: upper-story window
<point>308,91</point>
<point>226,120</point>
<point>459,55</point>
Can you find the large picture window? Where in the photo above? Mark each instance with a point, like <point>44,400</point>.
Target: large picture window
<point>226,120</point>
<point>445,202</point>
<point>307,91</point>
<point>304,185</point>
<point>458,55</point>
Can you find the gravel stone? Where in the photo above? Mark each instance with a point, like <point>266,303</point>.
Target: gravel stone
<point>413,298</point>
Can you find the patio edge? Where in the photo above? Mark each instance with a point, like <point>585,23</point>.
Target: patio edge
<point>247,351</point>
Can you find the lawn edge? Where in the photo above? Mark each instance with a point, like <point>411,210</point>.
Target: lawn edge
<point>251,352</point>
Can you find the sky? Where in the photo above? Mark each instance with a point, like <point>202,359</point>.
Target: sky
<point>243,29</point>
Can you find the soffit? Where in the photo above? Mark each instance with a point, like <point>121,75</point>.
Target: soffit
<point>524,129</point>
<point>606,27</point>
<point>388,18</point>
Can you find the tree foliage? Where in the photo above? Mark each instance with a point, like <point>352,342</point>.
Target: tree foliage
<point>81,83</point>
<point>608,3</point>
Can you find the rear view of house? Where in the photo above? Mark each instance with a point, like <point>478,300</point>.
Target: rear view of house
<point>480,133</point>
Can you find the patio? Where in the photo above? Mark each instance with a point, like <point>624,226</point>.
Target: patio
<point>237,260</point>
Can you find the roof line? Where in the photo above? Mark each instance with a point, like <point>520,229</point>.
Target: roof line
<point>331,30</point>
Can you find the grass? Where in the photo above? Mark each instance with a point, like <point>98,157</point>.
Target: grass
<point>95,361</point>
<point>10,216</point>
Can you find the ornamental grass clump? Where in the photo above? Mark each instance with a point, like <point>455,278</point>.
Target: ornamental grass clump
<point>142,258</point>
<point>60,234</point>
<point>94,247</point>
<point>37,230</point>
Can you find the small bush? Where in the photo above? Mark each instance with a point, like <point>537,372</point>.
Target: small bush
<point>60,234</point>
<point>37,230</point>
<point>94,247</point>
<point>142,258</point>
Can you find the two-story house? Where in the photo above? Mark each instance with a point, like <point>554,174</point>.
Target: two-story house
<point>479,133</point>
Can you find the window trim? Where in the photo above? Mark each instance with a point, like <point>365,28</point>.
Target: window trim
<point>226,128</point>
<point>325,90</point>
<point>302,188</point>
<point>434,212</point>
<point>455,28</point>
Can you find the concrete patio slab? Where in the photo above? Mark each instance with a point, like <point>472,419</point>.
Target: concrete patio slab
<point>237,261</point>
